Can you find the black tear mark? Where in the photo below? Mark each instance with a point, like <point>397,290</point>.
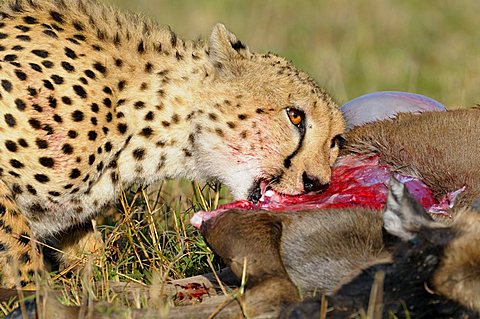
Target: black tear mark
<point>301,128</point>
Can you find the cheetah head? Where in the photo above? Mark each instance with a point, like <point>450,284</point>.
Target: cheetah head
<point>270,125</point>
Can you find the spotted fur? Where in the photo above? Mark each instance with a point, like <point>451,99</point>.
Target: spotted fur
<point>94,99</point>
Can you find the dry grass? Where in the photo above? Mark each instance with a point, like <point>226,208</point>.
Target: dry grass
<point>148,240</point>
<point>350,47</point>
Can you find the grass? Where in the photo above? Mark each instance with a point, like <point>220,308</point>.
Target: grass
<point>148,240</point>
<point>349,47</point>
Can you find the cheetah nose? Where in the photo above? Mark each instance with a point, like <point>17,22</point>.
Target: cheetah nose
<point>312,184</point>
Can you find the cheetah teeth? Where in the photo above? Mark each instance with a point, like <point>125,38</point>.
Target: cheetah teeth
<point>268,193</point>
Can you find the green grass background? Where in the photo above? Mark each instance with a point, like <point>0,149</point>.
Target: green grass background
<point>349,47</point>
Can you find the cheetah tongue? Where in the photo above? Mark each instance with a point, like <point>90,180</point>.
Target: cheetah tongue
<point>357,181</point>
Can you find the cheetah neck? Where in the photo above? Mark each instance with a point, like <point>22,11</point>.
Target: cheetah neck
<point>160,103</point>
<point>160,87</point>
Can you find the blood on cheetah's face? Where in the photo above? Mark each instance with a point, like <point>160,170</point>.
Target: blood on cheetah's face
<point>274,129</point>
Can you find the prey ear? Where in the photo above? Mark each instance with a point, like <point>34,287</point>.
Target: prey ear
<point>225,49</point>
<point>403,216</point>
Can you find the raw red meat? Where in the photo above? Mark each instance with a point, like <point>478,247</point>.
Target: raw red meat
<point>357,181</point>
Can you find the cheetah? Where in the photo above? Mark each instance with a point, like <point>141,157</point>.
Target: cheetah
<point>94,99</point>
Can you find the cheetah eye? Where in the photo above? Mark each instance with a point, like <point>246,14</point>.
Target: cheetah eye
<point>337,140</point>
<point>295,116</point>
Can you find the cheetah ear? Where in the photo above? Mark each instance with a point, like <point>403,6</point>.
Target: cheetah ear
<point>225,49</point>
<point>403,216</point>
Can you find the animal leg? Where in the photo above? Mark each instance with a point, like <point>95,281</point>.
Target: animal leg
<point>76,244</point>
<point>253,249</point>
<point>19,256</point>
